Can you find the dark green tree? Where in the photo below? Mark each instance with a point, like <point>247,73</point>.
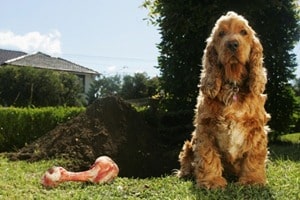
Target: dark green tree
<point>140,85</point>
<point>71,88</point>
<point>184,26</point>
<point>104,86</point>
<point>153,86</point>
<point>27,86</point>
<point>128,91</point>
<point>129,87</point>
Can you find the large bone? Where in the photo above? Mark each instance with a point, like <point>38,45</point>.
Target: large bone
<point>104,170</point>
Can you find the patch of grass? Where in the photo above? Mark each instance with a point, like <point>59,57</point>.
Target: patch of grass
<point>21,180</point>
<point>284,179</point>
<point>292,138</point>
<point>285,151</point>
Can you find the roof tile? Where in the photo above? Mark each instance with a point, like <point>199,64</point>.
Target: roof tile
<point>44,61</point>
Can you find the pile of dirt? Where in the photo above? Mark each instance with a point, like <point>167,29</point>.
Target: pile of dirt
<point>110,127</point>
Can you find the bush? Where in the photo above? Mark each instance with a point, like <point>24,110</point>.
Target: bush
<point>19,126</point>
<point>28,86</point>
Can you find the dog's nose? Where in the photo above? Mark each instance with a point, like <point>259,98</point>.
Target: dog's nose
<point>233,45</point>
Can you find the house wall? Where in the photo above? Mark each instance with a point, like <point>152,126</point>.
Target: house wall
<point>86,81</point>
<point>89,78</point>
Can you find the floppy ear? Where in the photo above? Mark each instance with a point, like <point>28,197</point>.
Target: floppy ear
<point>211,77</point>
<point>257,73</point>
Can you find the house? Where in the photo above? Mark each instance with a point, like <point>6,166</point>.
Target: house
<point>44,61</point>
<point>6,55</point>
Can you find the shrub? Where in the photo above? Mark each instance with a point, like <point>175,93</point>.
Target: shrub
<point>19,126</point>
<point>28,86</point>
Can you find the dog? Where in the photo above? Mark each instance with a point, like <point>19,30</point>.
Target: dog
<point>230,135</point>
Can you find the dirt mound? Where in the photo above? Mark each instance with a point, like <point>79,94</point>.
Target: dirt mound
<point>108,127</point>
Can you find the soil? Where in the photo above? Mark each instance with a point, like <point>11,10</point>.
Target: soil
<point>109,127</point>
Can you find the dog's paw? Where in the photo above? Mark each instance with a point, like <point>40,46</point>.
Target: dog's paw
<point>214,183</point>
<point>181,174</point>
<point>260,181</point>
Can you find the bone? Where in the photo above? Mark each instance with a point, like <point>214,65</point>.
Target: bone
<point>104,170</point>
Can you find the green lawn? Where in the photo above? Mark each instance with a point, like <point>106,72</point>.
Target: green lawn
<point>293,138</point>
<point>21,180</point>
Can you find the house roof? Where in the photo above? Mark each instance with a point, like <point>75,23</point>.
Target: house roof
<point>44,61</point>
<point>9,54</point>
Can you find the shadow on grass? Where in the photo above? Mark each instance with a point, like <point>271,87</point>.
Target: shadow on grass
<point>279,150</point>
<point>285,151</point>
<point>233,191</point>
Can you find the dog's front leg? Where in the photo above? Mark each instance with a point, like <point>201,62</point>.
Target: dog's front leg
<point>207,166</point>
<point>253,170</point>
<point>253,166</point>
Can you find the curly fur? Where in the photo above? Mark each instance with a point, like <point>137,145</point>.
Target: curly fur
<point>230,135</point>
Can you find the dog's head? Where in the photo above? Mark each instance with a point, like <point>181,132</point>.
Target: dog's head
<point>234,50</point>
<point>236,47</point>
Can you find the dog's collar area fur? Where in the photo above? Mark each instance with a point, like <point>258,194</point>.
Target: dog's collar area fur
<point>234,86</point>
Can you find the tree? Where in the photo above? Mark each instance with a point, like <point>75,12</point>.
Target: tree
<point>104,86</point>
<point>134,87</point>
<point>130,87</point>
<point>71,88</point>
<point>296,87</point>
<point>27,86</point>
<point>153,86</point>
<point>140,85</point>
<point>184,26</point>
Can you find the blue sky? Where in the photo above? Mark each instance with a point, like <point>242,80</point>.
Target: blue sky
<point>109,36</point>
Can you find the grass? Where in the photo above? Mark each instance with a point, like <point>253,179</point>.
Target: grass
<point>21,180</point>
<point>293,138</point>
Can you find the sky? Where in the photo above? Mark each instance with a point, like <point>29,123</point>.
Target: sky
<point>109,36</point>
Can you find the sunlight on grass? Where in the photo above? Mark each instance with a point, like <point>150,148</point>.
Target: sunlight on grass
<point>284,175</point>
<point>21,180</point>
<point>293,138</point>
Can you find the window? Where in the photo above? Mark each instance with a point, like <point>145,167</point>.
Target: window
<point>82,81</point>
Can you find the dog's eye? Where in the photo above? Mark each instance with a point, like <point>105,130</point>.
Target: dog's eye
<point>243,32</point>
<point>222,33</point>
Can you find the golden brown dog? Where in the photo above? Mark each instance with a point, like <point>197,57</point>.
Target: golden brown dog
<point>230,133</point>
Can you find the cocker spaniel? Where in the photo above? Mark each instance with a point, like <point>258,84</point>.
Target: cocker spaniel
<point>230,135</point>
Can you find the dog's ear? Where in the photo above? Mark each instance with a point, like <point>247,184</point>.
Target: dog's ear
<point>211,80</point>
<point>257,73</point>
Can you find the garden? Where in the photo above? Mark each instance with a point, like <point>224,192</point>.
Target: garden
<point>142,122</point>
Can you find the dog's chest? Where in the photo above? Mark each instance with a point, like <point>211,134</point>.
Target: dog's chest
<point>231,140</point>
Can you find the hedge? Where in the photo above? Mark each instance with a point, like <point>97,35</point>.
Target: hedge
<point>20,126</point>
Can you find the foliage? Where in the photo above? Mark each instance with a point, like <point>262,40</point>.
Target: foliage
<point>71,92</point>
<point>184,27</point>
<point>19,126</point>
<point>27,86</point>
<point>22,180</point>
<point>278,40</point>
<point>138,86</point>
<point>296,113</point>
<point>130,87</point>
<point>296,86</point>
<point>104,86</point>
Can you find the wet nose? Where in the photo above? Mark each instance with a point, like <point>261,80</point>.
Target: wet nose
<point>233,45</point>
